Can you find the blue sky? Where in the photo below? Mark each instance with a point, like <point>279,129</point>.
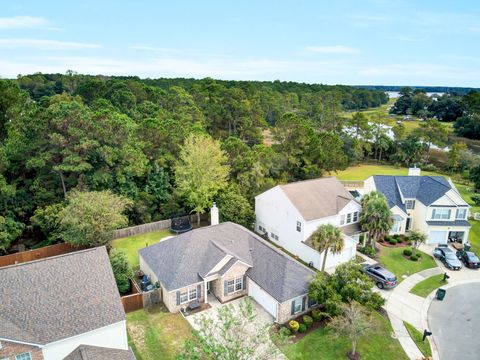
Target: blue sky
<point>333,42</point>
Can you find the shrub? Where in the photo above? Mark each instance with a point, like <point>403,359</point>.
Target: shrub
<point>429,167</point>
<point>368,250</point>
<point>317,315</point>
<point>414,257</point>
<point>392,241</point>
<point>307,320</point>
<point>419,255</point>
<point>302,328</point>
<point>121,269</point>
<point>407,252</point>
<point>476,199</point>
<point>293,325</point>
<point>397,237</point>
<point>284,331</point>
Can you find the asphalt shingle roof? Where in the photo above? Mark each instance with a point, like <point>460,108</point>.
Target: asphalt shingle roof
<point>178,261</point>
<point>88,352</point>
<point>426,189</point>
<point>449,223</point>
<point>55,298</point>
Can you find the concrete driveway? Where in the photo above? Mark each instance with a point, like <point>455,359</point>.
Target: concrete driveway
<point>455,323</point>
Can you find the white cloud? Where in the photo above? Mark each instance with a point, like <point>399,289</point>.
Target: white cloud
<point>334,49</point>
<point>45,44</point>
<point>19,22</point>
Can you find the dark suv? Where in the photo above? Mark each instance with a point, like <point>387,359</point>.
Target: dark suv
<point>383,278</point>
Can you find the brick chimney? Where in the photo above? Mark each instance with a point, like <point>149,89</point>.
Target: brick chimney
<point>214,216</point>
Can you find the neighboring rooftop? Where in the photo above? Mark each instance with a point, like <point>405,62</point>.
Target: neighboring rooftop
<point>426,189</point>
<point>88,352</point>
<point>55,298</point>
<point>180,261</point>
<point>318,198</point>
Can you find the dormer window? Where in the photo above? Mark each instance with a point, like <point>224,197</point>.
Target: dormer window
<point>409,204</point>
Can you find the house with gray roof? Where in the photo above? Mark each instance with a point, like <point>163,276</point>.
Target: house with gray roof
<point>430,204</point>
<point>227,261</point>
<point>288,214</point>
<point>88,352</point>
<point>49,307</point>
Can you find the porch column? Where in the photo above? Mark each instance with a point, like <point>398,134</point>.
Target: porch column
<point>205,291</point>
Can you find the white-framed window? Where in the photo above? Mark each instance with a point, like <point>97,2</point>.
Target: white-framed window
<point>262,228</point>
<point>461,214</point>
<point>183,297</point>
<point>355,216</point>
<point>192,294</point>
<point>299,226</point>
<point>0,345</point>
<point>441,214</point>
<point>274,236</point>
<point>342,219</point>
<point>234,285</point>
<point>24,356</point>
<point>397,224</point>
<point>349,218</point>
<point>409,204</point>
<point>297,305</point>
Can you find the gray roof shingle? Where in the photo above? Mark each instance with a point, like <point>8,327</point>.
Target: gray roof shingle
<point>178,261</point>
<point>55,298</point>
<point>88,352</point>
<point>426,189</point>
<point>449,223</point>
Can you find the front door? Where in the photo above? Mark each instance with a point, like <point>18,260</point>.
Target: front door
<point>409,224</point>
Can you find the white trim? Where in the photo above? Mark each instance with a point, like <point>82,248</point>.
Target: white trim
<point>22,342</point>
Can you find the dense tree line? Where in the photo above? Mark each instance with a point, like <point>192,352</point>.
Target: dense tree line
<point>152,142</point>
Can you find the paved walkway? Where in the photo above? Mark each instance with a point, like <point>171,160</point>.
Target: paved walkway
<point>401,305</point>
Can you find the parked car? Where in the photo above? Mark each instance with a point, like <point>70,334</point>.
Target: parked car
<point>447,256</point>
<point>383,278</point>
<point>470,259</point>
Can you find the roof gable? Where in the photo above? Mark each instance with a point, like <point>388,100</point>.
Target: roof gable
<point>59,297</point>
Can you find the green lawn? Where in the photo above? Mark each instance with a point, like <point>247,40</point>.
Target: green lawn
<point>132,244</point>
<point>393,260</point>
<point>156,334</point>
<point>320,344</point>
<point>423,346</point>
<point>425,287</point>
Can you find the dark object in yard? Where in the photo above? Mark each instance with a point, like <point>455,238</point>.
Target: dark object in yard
<point>310,264</point>
<point>441,294</point>
<point>193,305</point>
<point>140,274</point>
<point>150,287</point>
<point>355,356</point>
<point>445,277</point>
<point>180,224</point>
<point>425,334</point>
<point>144,282</point>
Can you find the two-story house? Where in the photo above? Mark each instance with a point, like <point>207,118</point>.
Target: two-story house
<point>290,213</point>
<point>430,204</point>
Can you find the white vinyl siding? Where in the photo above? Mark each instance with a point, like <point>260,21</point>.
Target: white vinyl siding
<point>441,214</point>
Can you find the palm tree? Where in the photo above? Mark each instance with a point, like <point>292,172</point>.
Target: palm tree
<point>417,238</point>
<point>327,238</point>
<point>376,217</point>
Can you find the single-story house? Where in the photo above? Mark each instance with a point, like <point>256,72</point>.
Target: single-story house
<point>227,261</point>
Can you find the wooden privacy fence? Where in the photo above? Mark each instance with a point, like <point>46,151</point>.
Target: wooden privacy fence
<point>138,300</point>
<point>153,226</point>
<point>41,253</point>
<point>132,302</point>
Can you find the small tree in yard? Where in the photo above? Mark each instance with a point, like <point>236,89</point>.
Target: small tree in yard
<point>234,334</point>
<point>417,238</point>
<point>327,238</point>
<point>121,269</point>
<point>201,171</point>
<point>354,323</point>
<point>376,217</point>
<point>90,218</point>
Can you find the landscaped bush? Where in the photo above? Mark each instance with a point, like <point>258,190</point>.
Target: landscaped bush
<point>419,255</point>
<point>293,325</point>
<point>368,250</point>
<point>392,241</point>
<point>429,167</point>
<point>284,331</point>
<point>397,237</point>
<point>307,320</point>
<point>407,252</point>
<point>317,315</point>
<point>302,328</point>
<point>476,199</point>
<point>414,257</point>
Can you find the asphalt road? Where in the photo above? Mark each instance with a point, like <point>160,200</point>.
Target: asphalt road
<point>455,323</point>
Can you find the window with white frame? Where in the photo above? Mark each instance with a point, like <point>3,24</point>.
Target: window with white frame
<point>409,204</point>
<point>461,214</point>
<point>342,219</point>
<point>441,214</point>
<point>192,294</point>
<point>24,356</point>
<point>397,224</point>
<point>183,297</point>
<point>234,285</point>
<point>297,305</point>
<point>273,236</point>
<point>355,216</point>
<point>299,226</point>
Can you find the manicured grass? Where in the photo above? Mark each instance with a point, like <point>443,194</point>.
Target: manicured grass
<point>393,260</point>
<point>474,236</point>
<point>363,171</point>
<point>155,333</point>
<point>132,244</point>
<point>423,346</point>
<point>425,287</point>
<point>320,344</point>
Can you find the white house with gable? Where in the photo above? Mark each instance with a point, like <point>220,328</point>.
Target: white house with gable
<point>290,213</point>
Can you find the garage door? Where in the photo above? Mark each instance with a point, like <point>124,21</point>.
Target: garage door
<point>263,298</point>
<point>437,237</point>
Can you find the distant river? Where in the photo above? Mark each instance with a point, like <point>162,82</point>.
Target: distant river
<point>396,94</point>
